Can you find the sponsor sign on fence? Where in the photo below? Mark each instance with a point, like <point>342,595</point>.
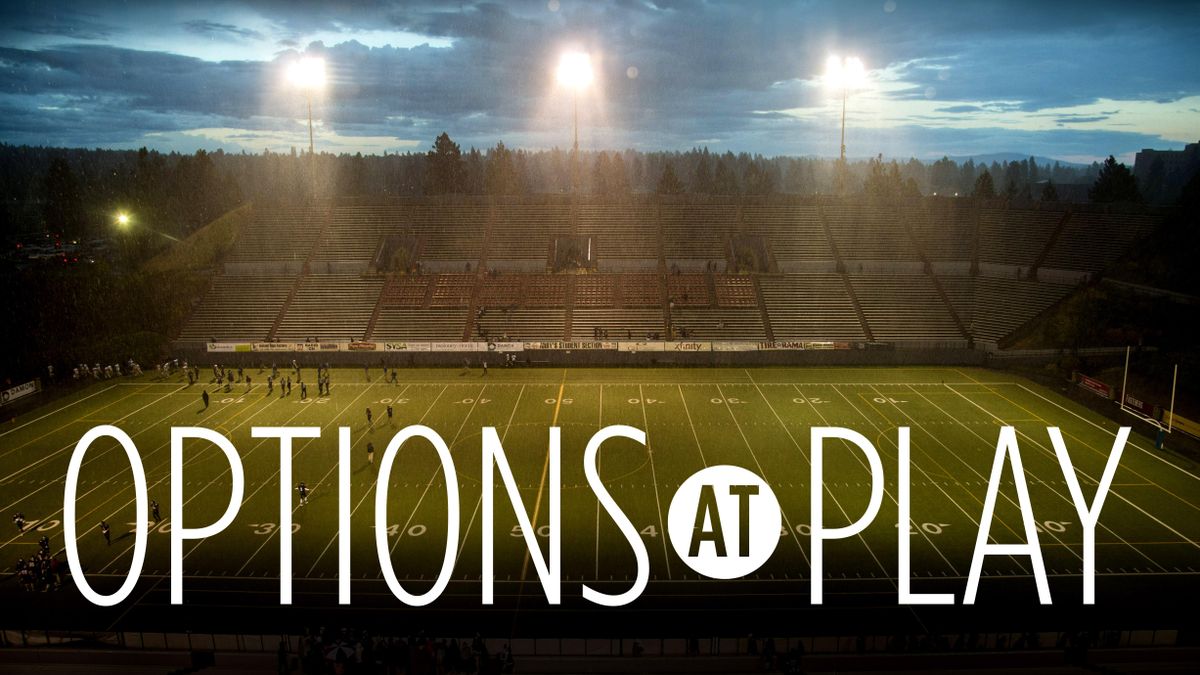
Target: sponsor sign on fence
<point>1093,385</point>
<point>20,391</point>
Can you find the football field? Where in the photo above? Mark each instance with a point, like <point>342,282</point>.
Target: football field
<point>758,419</point>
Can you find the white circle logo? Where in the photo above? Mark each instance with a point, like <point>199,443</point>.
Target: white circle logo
<point>724,522</point>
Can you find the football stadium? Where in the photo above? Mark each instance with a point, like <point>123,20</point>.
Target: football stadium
<point>610,408</point>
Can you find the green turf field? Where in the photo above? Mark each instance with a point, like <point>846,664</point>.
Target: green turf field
<point>757,418</point>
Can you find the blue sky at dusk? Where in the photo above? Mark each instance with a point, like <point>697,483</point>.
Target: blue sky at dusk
<point>1073,81</point>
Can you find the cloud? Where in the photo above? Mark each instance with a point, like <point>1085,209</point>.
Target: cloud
<point>740,74</point>
<point>221,30</point>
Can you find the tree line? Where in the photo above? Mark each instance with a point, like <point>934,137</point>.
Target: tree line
<point>76,192</point>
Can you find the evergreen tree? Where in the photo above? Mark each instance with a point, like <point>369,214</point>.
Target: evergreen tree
<point>669,183</point>
<point>62,210</point>
<point>1115,183</point>
<point>702,178</point>
<point>984,187</point>
<point>600,175</point>
<point>724,182</point>
<point>618,179</point>
<point>1049,192</point>
<point>444,168</point>
<point>500,174</point>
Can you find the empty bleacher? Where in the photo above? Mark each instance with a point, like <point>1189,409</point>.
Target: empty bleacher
<point>723,323</point>
<point>522,235</point>
<point>301,271</point>
<point>793,232</point>
<point>810,307</point>
<point>868,233</point>
<point>1015,236</point>
<point>621,324</point>
<point>522,323</point>
<point>907,311</point>
<point>1091,241</point>
<point>993,308</point>
<point>276,235</point>
<point>238,308</point>
<point>943,230</point>
<point>696,234</point>
<point>330,307</point>
<point>451,236</point>
<point>624,236</point>
<point>430,325</point>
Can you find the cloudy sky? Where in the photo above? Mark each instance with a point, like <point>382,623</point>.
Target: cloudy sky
<point>1074,81</point>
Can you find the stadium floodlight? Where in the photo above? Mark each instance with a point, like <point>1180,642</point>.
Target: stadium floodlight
<point>575,72</point>
<point>845,74</point>
<point>122,219</point>
<point>308,74</point>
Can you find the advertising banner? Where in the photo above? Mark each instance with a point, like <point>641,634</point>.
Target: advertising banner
<point>405,346</point>
<point>20,391</point>
<point>1093,385</point>
<point>569,346</point>
<point>641,346</point>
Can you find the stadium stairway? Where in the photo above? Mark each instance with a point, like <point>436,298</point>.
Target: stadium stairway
<point>1054,237</point>
<point>928,267</point>
<point>858,310</point>
<point>312,252</point>
<point>762,309</point>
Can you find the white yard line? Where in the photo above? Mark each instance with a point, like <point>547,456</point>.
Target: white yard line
<point>662,530</point>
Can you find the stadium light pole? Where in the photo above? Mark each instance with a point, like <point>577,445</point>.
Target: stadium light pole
<point>575,72</point>
<point>845,74</point>
<point>308,74</point>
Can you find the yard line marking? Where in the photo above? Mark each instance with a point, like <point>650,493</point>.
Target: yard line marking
<point>72,445</point>
<point>438,470</point>
<point>478,502</point>
<point>87,462</point>
<point>72,403</point>
<point>199,542</point>
<point>155,468</point>
<point>219,477</point>
<point>1047,484</point>
<point>935,484</point>
<point>695,436</point>
<point>654,478</point>
<point>64,425</point>
<point>1131,438</point>
<point>795,535</point>
<point>295,508</point>
<point>599,425</point>
<point>1116,494</point>
<point>370,486</point>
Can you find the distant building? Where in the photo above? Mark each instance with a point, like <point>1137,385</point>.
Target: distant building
<point>1162,173</point>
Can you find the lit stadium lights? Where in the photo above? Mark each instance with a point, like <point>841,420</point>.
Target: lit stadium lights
<point>307,73</point>
<point>575,70</point>
<point>845,74</point>
<point>123,219</point>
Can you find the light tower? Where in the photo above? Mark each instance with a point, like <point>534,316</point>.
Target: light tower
<point>575,72</point>
<point>308,75</point>
<point>845,74</point>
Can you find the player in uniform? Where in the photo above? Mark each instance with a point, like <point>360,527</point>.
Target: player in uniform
<point>302,490</point>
